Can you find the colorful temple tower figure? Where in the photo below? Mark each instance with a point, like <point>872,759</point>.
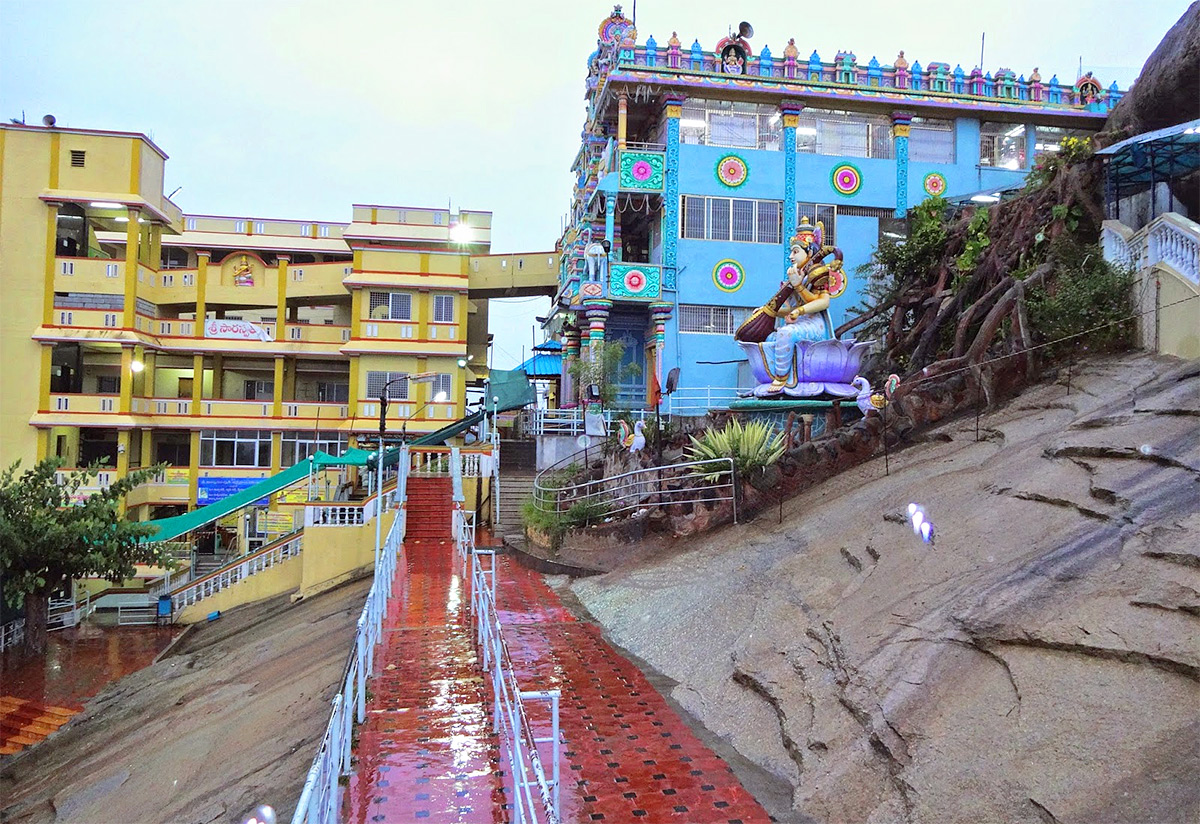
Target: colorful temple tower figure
<point>716,156</point>
<point>790,54</point>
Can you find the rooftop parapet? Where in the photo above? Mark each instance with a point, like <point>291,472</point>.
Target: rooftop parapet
<point>732,59</point>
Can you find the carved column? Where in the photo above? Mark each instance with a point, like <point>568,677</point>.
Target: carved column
<point>790,110</point>
<point>622,120</point>
<point>900,130</point>
<point>673,110</point>
<point>660,313</point>
<point>597,310</point>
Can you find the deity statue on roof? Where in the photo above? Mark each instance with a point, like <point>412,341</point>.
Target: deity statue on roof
<point>1036,77</point>
<point>901,63</point>
<point>674,41</point>
<point>790,51</point>
<point>732,62</point>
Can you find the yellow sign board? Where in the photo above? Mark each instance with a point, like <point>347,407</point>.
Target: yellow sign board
<point>281,522</point>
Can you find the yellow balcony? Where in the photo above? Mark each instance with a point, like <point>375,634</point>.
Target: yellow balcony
<point>94,275</point>
<point>326,414</point>
<point>84,404</point>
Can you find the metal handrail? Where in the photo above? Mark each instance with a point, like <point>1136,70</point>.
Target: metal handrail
<point>320,800</point>
<point>643,488</point>
<point>287,547</point>
<point>12,633</point>
<point>509,718</point>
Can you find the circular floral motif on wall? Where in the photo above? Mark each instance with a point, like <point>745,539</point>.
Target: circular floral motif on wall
<point>935,184</point>
<point>729,275</point>
<point>635,281</point>
<point>732,171</point>
<point>846,179</point>
<point>641,171</point>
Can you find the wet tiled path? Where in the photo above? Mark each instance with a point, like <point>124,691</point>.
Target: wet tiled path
<point>40,693</point>
<point>426,752</point>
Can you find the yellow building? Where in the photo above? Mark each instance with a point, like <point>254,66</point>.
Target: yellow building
<point>225,347</point>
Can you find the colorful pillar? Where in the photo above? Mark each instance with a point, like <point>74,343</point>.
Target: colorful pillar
<point>610,222</point>
<point>201,290</point>
<point>673,107</point>
<point>568,397</point>
<point>900,128</point>
<point>597,310</point>
<point>660,313</point>
<point>790,110</point>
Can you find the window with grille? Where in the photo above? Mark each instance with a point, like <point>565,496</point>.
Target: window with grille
<point>823,212</point>
<point>442,384</point>
<point>191,224</point>
<point>849,134</point>
<point>398,391</point>
<point>78,158</point>
<point>235,447</point>
<point>390,306</point>
<point>1002,144</point>
<point>443,308</point>
<point>712,320</point>
<point>298,446</point>
<point>108,385</point>
<point>723,218</point>
<point>239,226</point>
<point>323,231</point>
<point>732,124</point>
<point>931,141</point>
<point>259,227</point>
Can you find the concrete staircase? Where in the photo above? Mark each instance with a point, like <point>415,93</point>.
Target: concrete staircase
<point>429,507</point>
<point>516,487</point>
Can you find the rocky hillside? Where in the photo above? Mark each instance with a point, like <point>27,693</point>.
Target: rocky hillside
<point>230,720</point>
<point>1039,663</point>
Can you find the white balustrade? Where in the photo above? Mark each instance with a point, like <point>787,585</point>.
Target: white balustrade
<point>230,575</point>
<point>12,633</point>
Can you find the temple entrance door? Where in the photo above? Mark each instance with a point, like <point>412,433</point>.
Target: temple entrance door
<point>630,380</point>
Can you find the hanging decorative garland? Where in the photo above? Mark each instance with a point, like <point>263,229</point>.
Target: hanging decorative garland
<point>846,179</point>
<point>935,184</point>
<point>729,275</point>
<point>732,171</point>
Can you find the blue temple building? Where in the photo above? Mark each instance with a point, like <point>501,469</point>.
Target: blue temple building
<point>697,163</point>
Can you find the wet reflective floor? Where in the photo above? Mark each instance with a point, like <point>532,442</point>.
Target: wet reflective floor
<point>427,753</point>
<point>40,693</point>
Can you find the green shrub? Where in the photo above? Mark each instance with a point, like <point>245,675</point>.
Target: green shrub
<point>1085,293</point>
<point>752,446</point>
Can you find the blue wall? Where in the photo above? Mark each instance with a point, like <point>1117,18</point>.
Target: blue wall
<point>765,264</point>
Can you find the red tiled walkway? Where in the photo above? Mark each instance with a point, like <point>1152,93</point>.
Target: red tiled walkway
<point>427,752</point>
<point>40,693</point>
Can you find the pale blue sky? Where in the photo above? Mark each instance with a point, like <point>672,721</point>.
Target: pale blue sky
<point>298,108</point>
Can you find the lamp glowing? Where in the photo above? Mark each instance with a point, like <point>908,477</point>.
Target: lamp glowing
<point>105,204</point>
<point>136,366</point>
<point>440,397</point>
<point>460,233</point>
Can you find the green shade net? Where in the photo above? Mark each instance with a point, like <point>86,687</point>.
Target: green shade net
<point>513,388</point>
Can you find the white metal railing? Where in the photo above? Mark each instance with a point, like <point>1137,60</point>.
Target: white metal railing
<point>693,482</point>
<point>696,401</point>
<point>570,421</point>
<point>534,798</point>
<point>12,633</point>
<point>244,567</point>
<point>137,615</point>
<point>320,800</point>
<point>67,612</point>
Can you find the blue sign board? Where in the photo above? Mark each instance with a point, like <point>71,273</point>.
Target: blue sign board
<point>214,489</point>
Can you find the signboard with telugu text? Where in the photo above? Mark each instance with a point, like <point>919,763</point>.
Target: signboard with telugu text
<point>280,522</point>
<point>212,489</point>
<point>236,330</point>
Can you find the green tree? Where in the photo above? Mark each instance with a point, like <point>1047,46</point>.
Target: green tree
<point>51,534</point>
<point>601,365</point>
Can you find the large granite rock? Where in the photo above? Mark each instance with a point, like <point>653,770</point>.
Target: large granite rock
<point>1039,663</point>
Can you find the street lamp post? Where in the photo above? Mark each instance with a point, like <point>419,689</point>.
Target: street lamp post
<point>423,377</point>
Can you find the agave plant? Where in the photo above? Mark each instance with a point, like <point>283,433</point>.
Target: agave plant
<point>753,446</point>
